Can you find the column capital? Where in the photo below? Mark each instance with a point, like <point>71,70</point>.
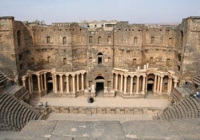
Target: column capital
<point>23,78</point>
<point>38,74</point>
<point>83,72</point>
<point>60,74</point>
<point>175,80</point>
<point>169,77</point>
<point>138,75</point>
<point>161,76</point>
<point>66,75</point>
<point>144,75</point>
<point>73,74</point>
<point>125,75</point>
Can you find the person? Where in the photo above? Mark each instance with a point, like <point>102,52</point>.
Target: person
<point>89,89</point>
<point>90,99</point>
<point>41,104</point>
<point>46,104</point>
<point>198,94</point>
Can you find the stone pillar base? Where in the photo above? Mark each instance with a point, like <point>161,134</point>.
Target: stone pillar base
<point>129,96</point>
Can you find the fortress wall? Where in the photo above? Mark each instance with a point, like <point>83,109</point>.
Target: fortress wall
<point>191,44</point>
<point>7,47</point>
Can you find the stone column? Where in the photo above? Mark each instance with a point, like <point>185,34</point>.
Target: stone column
<point>169,85</point>
<point>82,81</point>
<point>161,83</point>
<point>67,83</point>
<point>131,86</point>
<point>77,81</point>
<point>38,78</point>
<point>61,83</point>
<point>175,82</point>
<point>55,78</point>
<point>29,84</point>
<point>53,82</point>
<point>121,82</point>
<point>158,84</point>
<point>23,82</point>
<point>116,81</point>
<point>125,84</point>
<point>143,85</point>
<point>73,83</point>
<point>41,82</point>
<point>155,84</point>
<point>137,86</point>
<point>45,82</point>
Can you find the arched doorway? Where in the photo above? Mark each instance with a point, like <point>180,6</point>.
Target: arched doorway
<point>49,85</point>
<point>99,86</point>
<point>150,85</point>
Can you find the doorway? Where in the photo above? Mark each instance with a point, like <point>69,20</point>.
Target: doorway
<point>99,89</point>
<point>150,87</point>
<point>49,85</point>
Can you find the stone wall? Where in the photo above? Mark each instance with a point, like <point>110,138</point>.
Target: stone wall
<point>99,47</point>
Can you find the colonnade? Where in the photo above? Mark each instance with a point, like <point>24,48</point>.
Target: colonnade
<point>74,82</point>
<point>140,83</point>
<point>62,83</point>
<point>27,82</point>
<point>121,83</point>
<point>158,83</point>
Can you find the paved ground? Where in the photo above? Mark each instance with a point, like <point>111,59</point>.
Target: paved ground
<point>107,130</point>
<point>98,117</point>
<point>102,102</point>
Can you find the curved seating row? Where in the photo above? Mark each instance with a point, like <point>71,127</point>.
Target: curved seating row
<point>14,114</point>
<point>189,107</point>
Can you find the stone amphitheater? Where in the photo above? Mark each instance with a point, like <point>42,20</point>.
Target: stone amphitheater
<point>144,79</point>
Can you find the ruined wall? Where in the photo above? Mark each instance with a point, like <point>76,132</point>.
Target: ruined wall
<point>100,55</point>
<point>159,47</point>
<point>98,49</point>
<point>191,44</point>
<point>128,40</point>
<point>51,47</point>
<point>22,42</point>
<point>79,47</point>
<point>7,47</point>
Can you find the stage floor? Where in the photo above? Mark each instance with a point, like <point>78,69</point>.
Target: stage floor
<point>101,102</point>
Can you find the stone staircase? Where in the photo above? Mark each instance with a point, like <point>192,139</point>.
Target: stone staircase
<point>197,80</point>
<point>15,113</point>
<point>189,107</point>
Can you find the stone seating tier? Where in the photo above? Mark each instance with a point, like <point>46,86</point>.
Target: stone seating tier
<point>14,113</point>
<point>189,107</point>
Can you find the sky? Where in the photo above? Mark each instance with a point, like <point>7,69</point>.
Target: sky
<point>134,11</point>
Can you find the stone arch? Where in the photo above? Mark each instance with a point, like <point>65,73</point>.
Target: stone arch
<point>170,41</point>
<point>99,39</point>
<point>19,38</point>
<point>100,55</point>
<point>99,78</point>
<point>100,81</point>
<point>49,81</point>
<point>64,40</point>
<point>150,82</point>
<point>182,35</point>
<point>135,40</point>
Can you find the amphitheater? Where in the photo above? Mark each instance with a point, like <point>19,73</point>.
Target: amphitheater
<point>144,79</point>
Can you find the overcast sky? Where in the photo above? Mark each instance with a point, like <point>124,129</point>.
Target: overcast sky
<point>134,11</point>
